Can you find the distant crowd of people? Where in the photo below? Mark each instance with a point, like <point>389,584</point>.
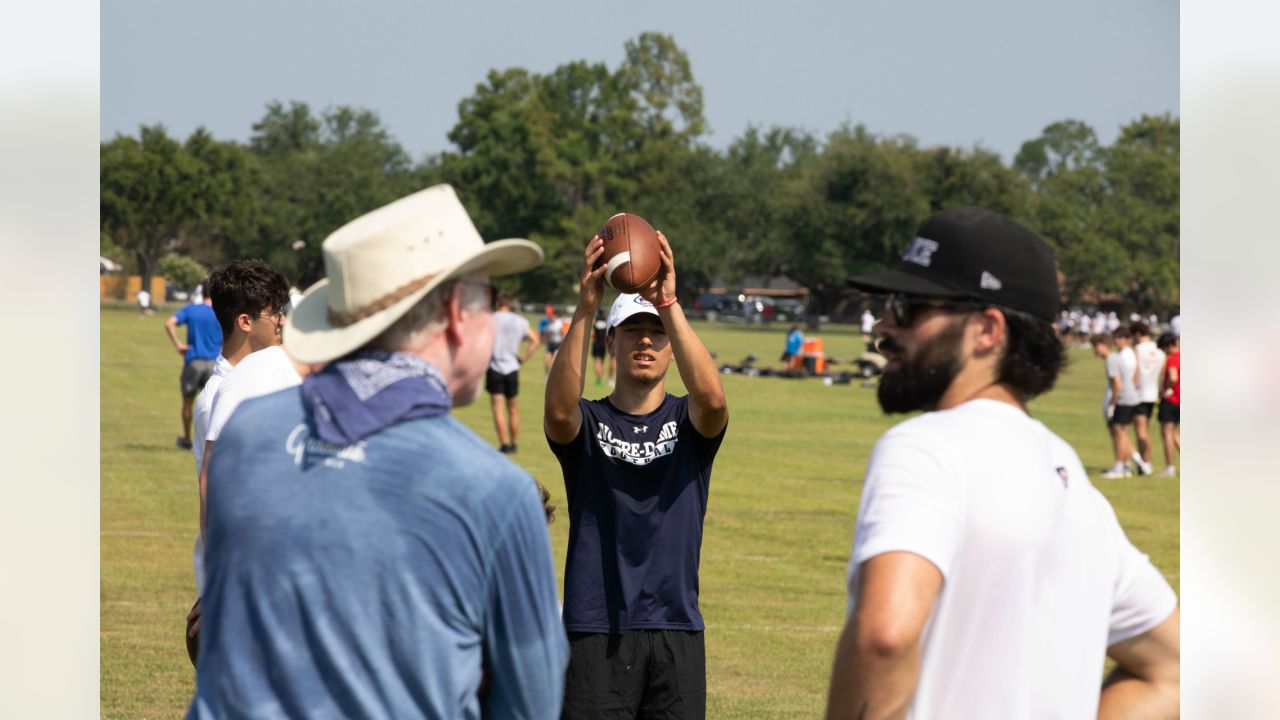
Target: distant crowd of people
<point>1141,373</point>
<point>1077,326</point>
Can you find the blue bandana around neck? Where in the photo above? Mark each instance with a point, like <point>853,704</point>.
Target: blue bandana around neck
<point>370,390</point>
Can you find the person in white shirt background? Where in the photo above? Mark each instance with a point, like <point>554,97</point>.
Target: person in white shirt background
<point>988,576</point>
<point>1147,379</point>
<point>247,297</point>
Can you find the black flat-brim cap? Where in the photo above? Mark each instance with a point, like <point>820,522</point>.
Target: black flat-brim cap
<point>970,252</point>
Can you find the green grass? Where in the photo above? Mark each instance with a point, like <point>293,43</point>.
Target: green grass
<point>778,531</point>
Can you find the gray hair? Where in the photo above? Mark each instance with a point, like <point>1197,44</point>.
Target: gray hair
<point>426,317</point>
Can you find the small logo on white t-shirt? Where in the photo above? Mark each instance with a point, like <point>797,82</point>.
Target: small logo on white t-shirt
<point>1062,473</point>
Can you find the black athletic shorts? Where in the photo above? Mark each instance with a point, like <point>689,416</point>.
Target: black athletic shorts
<point>1144,409</point>
<point>640,674</point>
<point>597,350</point>
<point>194,375</point>
<point>1124,415</point>
<point>498,384</point>
<point>552,347</point>
<point>1170,412</point>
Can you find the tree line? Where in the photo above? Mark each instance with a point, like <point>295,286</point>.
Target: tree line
<point>551,156</point>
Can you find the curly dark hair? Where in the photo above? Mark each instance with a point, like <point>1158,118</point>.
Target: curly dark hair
<point>1034,354</point>
<point>245,287</point>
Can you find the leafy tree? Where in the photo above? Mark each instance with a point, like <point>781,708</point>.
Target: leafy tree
<point>849,212</point>
<point>1062,146</point>
<point>158,194</point>
<point>316,174</point>
<point>1141,212</point>
<point>951,177</point>
<point>181,271</point>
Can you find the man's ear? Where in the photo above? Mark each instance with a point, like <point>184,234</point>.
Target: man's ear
<point>990,333</point>
<point>454,326</point>
<point>244,322</point>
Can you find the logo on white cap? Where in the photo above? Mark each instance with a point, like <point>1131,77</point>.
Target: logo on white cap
<point>626,305</point>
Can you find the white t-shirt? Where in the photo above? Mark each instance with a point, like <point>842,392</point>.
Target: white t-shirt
<point>260,373</point>
<point>509,329</point>
<point>204,406</point>
<point>1150,363</point>
<point>868,322</point>
<point>1038,577</point>
<point>1121,364</point>
<point>199,432</point>
<point>144,298</point>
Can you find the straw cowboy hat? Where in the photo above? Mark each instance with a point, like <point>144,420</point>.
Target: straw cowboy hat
<point>382,263</point>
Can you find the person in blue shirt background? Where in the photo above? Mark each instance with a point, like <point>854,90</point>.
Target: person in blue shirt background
<point>795,340</point>
<point>367,554</point>
<point>204,342</point>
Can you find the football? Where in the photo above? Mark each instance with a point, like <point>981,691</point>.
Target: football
<point>631,252</point>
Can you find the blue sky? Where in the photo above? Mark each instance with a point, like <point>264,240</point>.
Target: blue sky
<point>989,72</point>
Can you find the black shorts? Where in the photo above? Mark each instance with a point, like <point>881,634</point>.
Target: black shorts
<point>1170,413</point>
<point>639,674</point>
<point>194,375</point>
<point>1144,409</point>
<point>597,350</point>
<point>498,384</point>
<point>1124,415</point>
<point>552,347</point>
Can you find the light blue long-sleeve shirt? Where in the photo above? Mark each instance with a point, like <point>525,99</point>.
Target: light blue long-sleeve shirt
<point>373,580</point>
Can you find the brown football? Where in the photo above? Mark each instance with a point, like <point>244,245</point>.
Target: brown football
<point>631,252</point>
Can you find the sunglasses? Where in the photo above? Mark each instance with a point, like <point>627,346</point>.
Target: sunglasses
<point>906,309</point>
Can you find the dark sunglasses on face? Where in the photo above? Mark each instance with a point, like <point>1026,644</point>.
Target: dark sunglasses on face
<point>906,309</point>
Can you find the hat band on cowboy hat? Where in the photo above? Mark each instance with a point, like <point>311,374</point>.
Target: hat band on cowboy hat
<point>378,266</point>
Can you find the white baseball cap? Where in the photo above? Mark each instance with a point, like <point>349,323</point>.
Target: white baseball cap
<point>627,305</point>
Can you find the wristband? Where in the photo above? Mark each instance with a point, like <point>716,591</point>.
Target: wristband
<point>666,303</point>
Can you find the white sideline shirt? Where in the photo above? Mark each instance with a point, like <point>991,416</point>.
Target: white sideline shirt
<point>1038,577</point>
<point>199,432</point>
<point>261,373</point>
<point>1150,364</point>
<point>203,408</point>
<point>1121,364</point>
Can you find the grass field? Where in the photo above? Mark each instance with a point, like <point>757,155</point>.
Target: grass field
<point>778,530</point>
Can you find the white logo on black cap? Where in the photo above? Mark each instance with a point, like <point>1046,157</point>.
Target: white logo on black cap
<point>989,281</point>
<point>921,251</point>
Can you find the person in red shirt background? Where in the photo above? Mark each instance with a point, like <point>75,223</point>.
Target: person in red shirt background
<point>1170,414</point>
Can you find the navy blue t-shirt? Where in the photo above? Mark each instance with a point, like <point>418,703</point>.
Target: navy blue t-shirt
<point>637,488</point>
<point>204,334</point>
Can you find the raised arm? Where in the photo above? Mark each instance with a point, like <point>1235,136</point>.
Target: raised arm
<point>708,410</point>
<point>1146,680</point>
<point>562,418</point>
<point>877,662</point>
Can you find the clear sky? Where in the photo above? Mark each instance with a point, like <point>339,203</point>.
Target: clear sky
<point>983,72</point>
